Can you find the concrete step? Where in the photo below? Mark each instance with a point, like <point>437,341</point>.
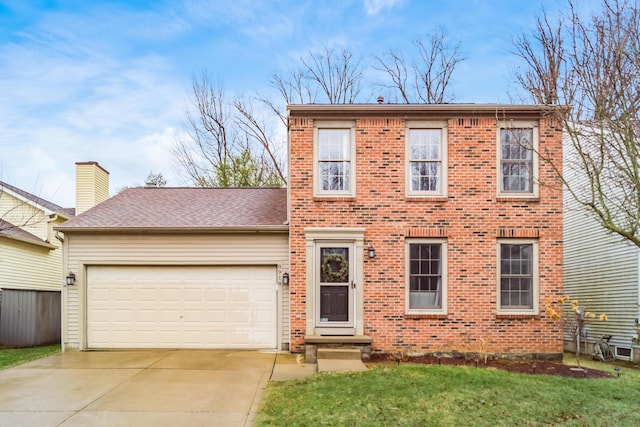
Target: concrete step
<point>345,353</point>
<point>340,365</point>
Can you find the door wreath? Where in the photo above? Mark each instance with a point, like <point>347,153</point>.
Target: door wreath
<point>335,268</point>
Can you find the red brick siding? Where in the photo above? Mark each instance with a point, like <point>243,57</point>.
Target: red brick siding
<point>470,217</point>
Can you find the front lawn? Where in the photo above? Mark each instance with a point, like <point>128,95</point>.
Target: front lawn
<point>15,356</point>
<point>432,395</point>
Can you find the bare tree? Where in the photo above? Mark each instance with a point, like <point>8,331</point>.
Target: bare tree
<point>543,55</point>
<point>591,66</point>
<point>328,76</point>
<point>226,144</point>
<point>17,209</point>
<point>336,75</point>
<point>427,79</point>
<point>230,143</point>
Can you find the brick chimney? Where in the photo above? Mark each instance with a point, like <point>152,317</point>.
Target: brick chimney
<point>92,185</point>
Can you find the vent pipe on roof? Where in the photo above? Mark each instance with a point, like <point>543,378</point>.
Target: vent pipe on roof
<point>92,185</point>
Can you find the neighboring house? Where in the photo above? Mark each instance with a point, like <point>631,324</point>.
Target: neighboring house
<point>422,228</point>
<point>178,268</point>
<point>30,267</point>
<point>602,272</point>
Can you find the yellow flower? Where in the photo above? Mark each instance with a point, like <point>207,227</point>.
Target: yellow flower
<point>574,308</point>
<point>603,317</point>
<point>574,303</point>
<point>590,315</point>
<point>547,301</point>
<point>563,299</point>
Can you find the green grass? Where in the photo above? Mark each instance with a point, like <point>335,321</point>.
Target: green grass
<point>423,395</point>
<point>16,356</point>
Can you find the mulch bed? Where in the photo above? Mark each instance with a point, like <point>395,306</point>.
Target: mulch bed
<point>533,367</point>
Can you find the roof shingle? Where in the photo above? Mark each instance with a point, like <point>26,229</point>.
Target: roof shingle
<point>11,231</point>
<point>186,208</point>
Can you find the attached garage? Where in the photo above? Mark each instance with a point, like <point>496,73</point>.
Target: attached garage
<point>197,268</point>
<point>181,307</point>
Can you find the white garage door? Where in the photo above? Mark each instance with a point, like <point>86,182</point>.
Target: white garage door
<point>181,307</point>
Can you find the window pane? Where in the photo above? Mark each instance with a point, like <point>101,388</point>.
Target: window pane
<point>425,144</point>
<point>334,144</point>
<point>414,268</point>
<point>516,159</point>
<point>516,143</point>
<point>516,275</point>
<point>334,263</point>
<point>334,176</point>
<point>425,152</point>
<point>425,277</point>
<point>425,176</point>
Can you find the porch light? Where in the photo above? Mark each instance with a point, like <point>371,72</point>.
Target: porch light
<point>71,279</point>
<point>285,279</point>
<point>371,251</point>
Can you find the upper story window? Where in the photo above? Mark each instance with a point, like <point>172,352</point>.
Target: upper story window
<point>426,159</point>
<point>518,168</point>
<point>518,276</point>
<point>334,166</point>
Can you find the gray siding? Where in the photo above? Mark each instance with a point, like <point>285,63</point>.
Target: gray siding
<point>29,318</point>
<point>167,249</point>
<point>601,272</point>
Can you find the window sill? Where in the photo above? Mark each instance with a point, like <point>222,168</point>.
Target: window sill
<point>438,199</point>
<point>334,198</point>
<point>517,315</point>
<point>426,316</point>
<point>514,198</point>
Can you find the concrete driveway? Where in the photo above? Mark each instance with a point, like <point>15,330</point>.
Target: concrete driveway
<point>136,388</point>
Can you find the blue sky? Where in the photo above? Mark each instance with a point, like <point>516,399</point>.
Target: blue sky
<point>109,81</point>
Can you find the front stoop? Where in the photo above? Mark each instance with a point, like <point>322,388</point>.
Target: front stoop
<point>315,343</point>
<point>340,359</point>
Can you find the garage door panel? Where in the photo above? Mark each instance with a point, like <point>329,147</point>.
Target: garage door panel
<point>181,307</point>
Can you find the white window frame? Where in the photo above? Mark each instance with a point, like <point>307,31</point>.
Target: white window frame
<point>443,274</point>
<point>419,125</point>
<point>535,296</point>
<point>520,124</point>
<point>317,182</point>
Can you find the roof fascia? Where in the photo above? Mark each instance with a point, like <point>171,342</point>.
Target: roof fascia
<point>41,243</point>
<point>174,230</point>
<point>410,111</point>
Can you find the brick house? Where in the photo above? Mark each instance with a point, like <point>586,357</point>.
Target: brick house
<point>424,228</point>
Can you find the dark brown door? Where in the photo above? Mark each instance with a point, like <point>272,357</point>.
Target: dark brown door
<point>334,303</point>
<point>335,279</point>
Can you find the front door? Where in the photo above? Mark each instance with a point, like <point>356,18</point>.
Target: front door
<point>334,287</point>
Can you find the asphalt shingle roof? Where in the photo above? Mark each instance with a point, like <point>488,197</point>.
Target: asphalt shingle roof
<point>39,200</point>
<point>186,208</point>
<point>9,230</point>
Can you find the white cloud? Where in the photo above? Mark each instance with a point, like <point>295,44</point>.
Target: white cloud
<point>373,7</point>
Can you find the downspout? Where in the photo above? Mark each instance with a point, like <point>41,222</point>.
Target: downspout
<point>63,293</point>
<point>52,217</point>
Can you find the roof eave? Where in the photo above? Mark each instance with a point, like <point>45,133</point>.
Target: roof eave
<point>175,230</point>
<point>418,110</point>
<point>40,243</point>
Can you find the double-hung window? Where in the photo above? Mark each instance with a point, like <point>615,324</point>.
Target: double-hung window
<point>426,272</point>
<point>426,159</point>
<point>334,160</point>
<point>518,143</point>
<point>517,278</point>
